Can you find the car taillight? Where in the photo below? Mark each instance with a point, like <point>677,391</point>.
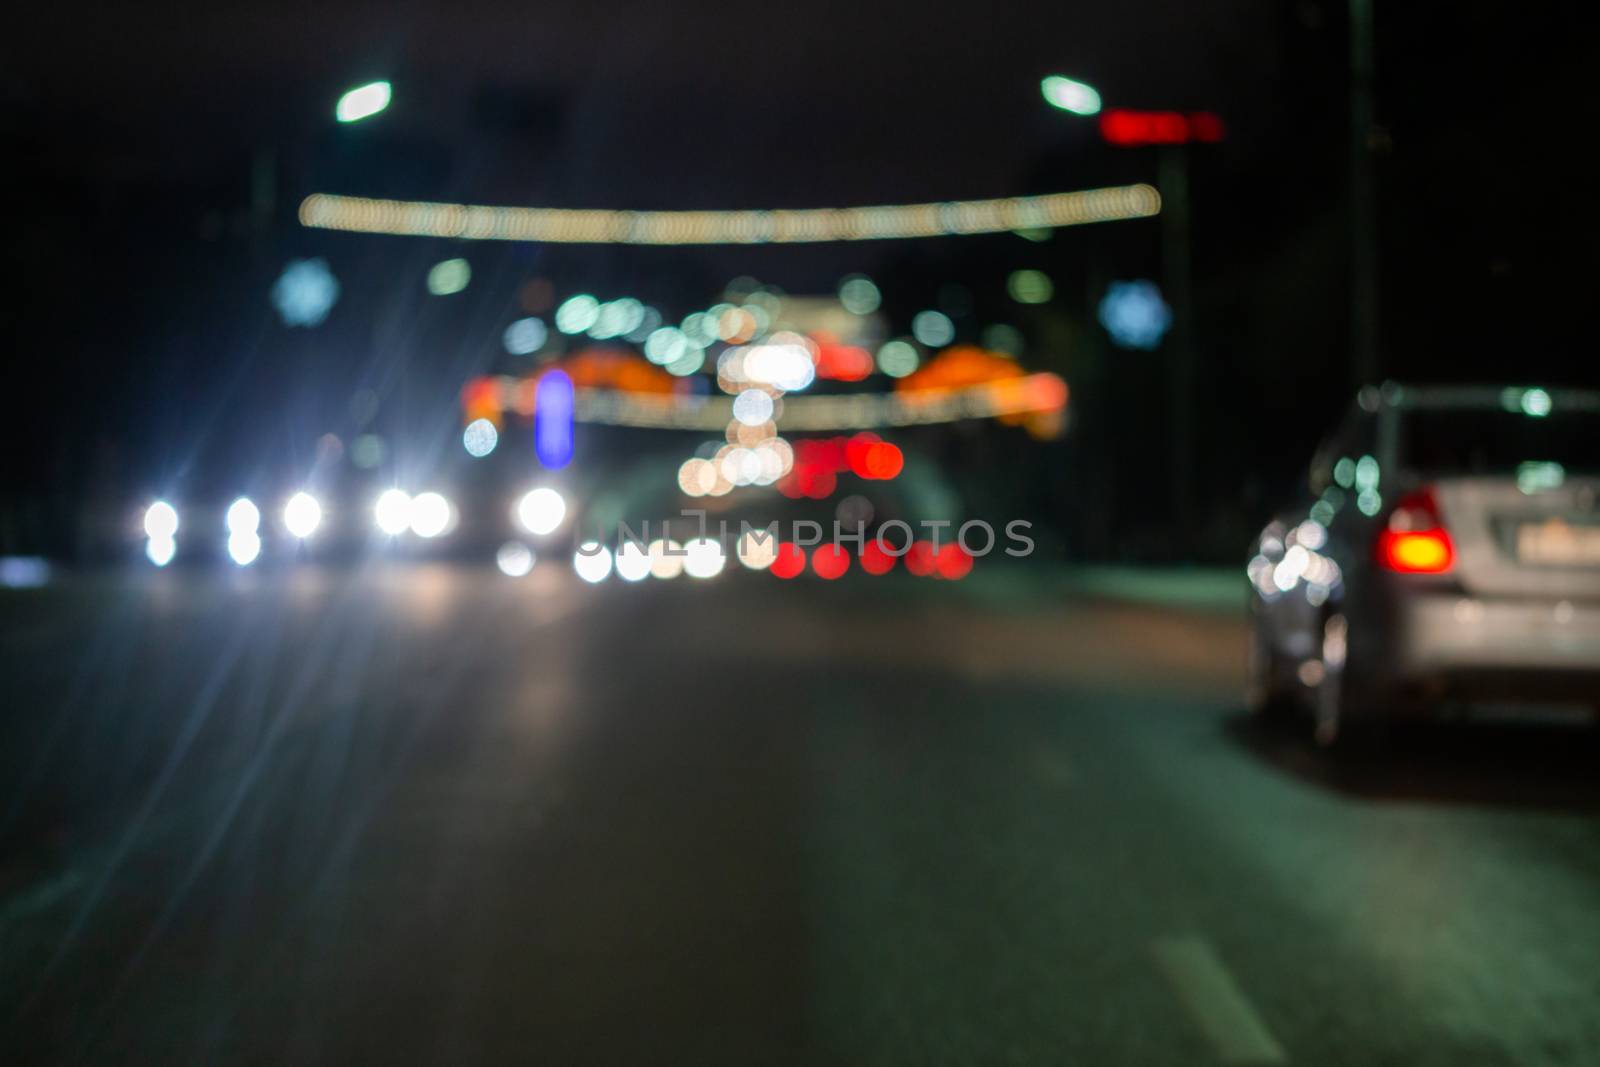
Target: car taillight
<point>1415,540</point>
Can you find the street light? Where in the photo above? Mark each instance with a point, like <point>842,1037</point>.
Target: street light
<point>1069,95</point>
<point>1172,131</point>
<point>362,102</point>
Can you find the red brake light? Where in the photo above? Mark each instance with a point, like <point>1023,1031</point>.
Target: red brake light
<point>789,562</point>
<point>1415,540</point>
<point>1428,552</point>
<point>875,559</point>
<point>830,562</point>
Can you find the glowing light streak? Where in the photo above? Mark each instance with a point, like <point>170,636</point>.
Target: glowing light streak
<point>328,211</point>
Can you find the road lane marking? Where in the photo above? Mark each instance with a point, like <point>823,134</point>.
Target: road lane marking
<point>1215,1001</point>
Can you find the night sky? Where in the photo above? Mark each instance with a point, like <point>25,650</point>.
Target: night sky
<point>139,311</point>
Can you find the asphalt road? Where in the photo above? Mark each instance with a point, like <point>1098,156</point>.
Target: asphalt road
<point>430,814</point>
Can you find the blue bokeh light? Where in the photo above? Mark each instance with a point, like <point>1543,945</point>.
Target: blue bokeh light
<point>1134,314</point>
<point>305,292</point>
<point>552,420</point>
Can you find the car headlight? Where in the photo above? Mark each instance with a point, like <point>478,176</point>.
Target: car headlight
<point>161,521</point>
<point>244,546</point>
<point>243,516</point>
<point>302,515</point>
<point>541,510</point>
<point>393,511</point>
<point>430,515</point>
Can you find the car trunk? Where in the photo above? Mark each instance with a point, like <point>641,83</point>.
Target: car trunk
<point>1530,540</point>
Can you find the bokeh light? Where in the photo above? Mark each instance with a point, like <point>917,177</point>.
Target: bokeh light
<point>160,550</point>
<point>952,562</point>
<point>305,292</point>
<point>1134,314</point>
<point>666,559</point>
<point>883,461</point>
<point>525,336</point>
<point>1030,287</point>
<point>392,511</point>
<point>666,345</point>
<point>704,558</point>
<point>161,521</point>
<point>859,295</point>
<point>514,559</point>
<point>449,276</point>
<point>830,561</point>
<point>302,514</point>
<point>577,313</point>
<point>633,561</point>
<point>244,546</point>
<point>689,363</point>
<point>752,407</point>
<point>243,516</point>
<point>898,358</point>
<point>920,558</point>
<point>789,561</point>
<point>431,515</point>
<point>649,322</point>
<point>757,549</point>
<point>617,317</point>
<point>700,328</point>
<point>1070,95</point>
<point>933,328</point>
<point>552,419</point>
<point>363,101</point>
<point>697,477</point>
<point>784,363</point>
<point>875,559</point>
<point>541,510</point>
<point>592,562</point>
<point>479,438</point>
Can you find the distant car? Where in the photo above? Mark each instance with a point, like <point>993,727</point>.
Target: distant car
<point>1447,548</point>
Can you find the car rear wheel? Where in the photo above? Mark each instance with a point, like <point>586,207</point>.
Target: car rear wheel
<point>1346,716</point>
<point>1266,696</point>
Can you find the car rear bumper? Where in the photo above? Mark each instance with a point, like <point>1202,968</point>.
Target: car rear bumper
<point>1449,644</point>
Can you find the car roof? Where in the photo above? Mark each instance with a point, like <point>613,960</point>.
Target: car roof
<point>1402,397</point>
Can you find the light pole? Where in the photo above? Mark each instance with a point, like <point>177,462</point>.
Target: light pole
<point>1170,132</point>
<point>1173,181</point>
<point>1363,197</point>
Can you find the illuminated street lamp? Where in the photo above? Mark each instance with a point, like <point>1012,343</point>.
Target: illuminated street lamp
<point>362,102</point>
<point>1069,95</point>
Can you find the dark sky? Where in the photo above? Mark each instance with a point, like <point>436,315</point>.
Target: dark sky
<point>663,104</point>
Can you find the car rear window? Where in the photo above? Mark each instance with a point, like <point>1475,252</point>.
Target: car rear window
<point>1495,441</point>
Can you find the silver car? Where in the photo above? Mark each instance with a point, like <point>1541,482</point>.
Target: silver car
<point>1446,549</point>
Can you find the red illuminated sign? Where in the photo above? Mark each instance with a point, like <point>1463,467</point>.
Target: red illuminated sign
<point>1130,129</point>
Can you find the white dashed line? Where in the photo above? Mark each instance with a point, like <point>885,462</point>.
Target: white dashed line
<point>1215,1001</point>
